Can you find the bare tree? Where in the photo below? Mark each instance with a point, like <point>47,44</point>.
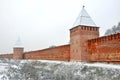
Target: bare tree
<point>113,30</point>
<point>25,71</point>
<point>108,32</point>
<point>118,28</point>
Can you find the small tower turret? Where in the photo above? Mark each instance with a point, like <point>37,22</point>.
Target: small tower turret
<point>18,50</point>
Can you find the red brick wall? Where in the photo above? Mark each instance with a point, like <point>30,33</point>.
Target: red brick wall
<point>105,48</point>
<point>18,53</point>
<point>6,56</point>
<point>55,53</point>
<point>78,41</point>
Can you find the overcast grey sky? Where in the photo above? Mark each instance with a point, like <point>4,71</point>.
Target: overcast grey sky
<point>42,23</point>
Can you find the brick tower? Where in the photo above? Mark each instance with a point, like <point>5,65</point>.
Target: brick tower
<point>84,29</point>
<point>18,50</point>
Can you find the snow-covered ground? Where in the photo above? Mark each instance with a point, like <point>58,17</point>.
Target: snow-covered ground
<point>56,70</point>
<point>3,70</point>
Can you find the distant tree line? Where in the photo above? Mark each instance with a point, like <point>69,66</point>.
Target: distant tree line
<point>115,29</point>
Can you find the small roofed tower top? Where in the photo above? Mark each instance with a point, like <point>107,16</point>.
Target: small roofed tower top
<point>18,50</point>
<point>84,19</point>
<point>18,43</point>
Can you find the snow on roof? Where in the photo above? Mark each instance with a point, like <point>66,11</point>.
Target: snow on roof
<point>84,19</point>
<point>18,43</point>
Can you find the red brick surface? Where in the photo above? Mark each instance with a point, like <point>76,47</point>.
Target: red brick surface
<point>55,53</point>
<point>6,56</point>
<point>105,48</point>
<point>78,42</point>
<point>18,53</point>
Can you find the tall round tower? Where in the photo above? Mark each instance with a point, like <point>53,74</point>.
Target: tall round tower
<point>18,50</point>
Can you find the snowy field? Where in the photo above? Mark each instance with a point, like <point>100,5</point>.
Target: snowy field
<point>56,70</point>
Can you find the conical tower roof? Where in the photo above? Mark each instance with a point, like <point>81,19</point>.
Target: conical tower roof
<point>84,19</point>
<point>18,43</point>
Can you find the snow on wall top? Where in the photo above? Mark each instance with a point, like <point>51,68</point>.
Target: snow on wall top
<point>84,19</point>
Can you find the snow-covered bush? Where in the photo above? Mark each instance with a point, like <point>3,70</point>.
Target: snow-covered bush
<point>52,70</point>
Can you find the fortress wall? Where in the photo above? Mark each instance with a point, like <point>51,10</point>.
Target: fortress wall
<point>105,48</point>
<point>54,53</point>
<point>6,56</point>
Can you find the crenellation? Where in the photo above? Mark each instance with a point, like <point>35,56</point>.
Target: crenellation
<point>105,38</point>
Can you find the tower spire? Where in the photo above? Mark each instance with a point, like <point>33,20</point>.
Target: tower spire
<point>18,43</point>
<point>84,19</point>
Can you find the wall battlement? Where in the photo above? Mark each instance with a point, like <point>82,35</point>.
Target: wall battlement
<point>105,39</point>
<point>54,53</point>
<point>106,48</point>
<point>6,56</point>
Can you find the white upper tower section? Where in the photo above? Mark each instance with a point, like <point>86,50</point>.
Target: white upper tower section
<point>84,19</point>
<point>18,43</point>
